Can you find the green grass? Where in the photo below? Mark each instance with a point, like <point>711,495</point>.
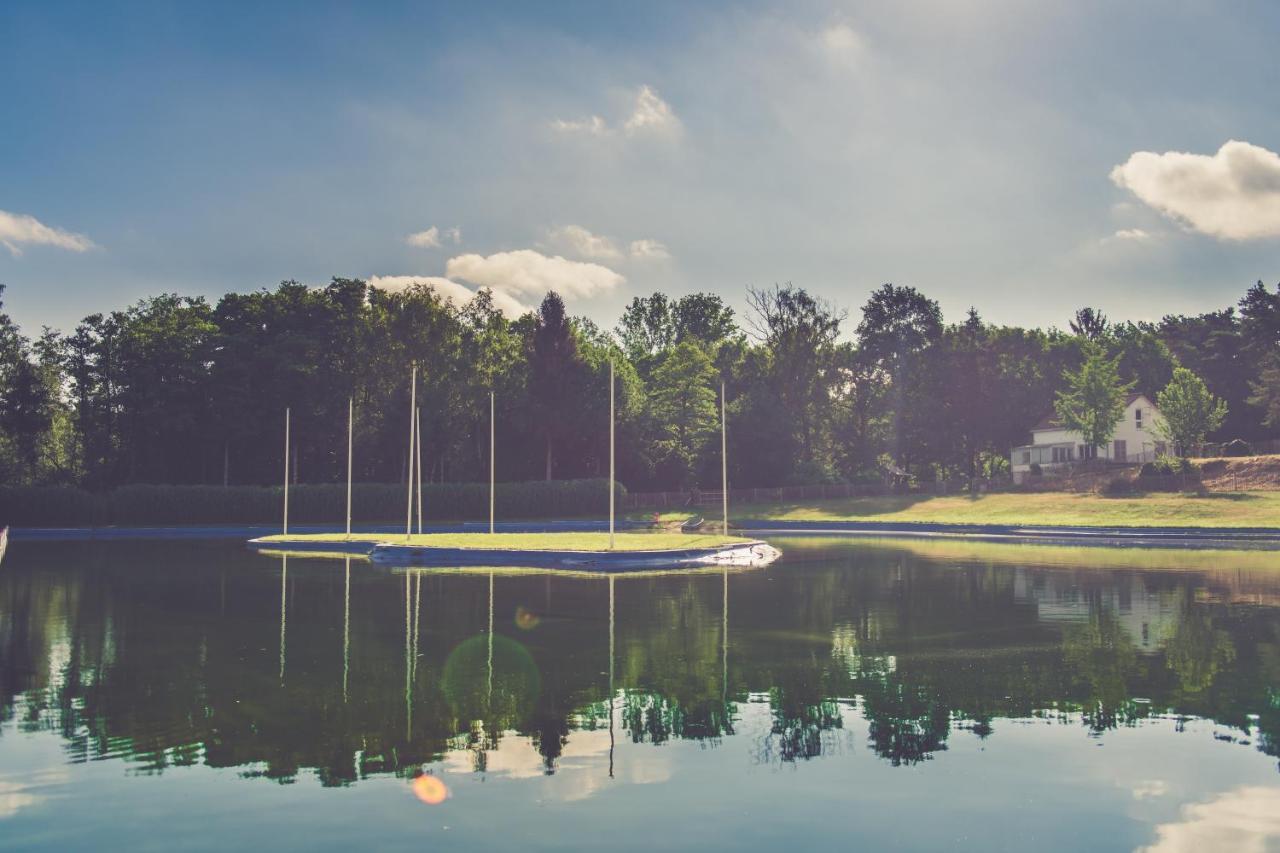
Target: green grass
<point>1236,509</point>
<point>526,541</point>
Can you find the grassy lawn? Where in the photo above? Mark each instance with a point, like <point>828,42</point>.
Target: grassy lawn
<point>528,541</point>
<point>1237,509</point>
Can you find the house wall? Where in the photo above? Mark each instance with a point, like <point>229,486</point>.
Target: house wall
<point>1141,440</point>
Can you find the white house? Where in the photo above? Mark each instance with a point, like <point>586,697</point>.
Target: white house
<point>1053,447</point>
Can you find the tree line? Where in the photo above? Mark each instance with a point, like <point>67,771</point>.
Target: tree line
<point>175,389</point>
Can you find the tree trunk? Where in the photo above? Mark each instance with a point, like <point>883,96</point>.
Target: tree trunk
<point>548,458</point>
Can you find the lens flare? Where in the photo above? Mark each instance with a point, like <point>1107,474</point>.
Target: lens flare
<point>526,619</point>
<point>430,789</point>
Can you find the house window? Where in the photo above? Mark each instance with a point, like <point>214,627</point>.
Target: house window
<point>1026,457</point>
<point>1137,418</point>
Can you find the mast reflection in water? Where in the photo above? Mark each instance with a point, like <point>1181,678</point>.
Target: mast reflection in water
<point>980,680</point>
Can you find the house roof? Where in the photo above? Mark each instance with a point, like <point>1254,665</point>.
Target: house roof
<point>1050,421</point>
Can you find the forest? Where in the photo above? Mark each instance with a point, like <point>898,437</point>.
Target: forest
<point>176,390</point>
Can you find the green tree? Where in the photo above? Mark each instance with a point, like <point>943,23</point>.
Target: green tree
<point>899,326</point>
<point>1188,411</point>
<point>1089,323</point>
<point>683,405</point>
<point>800,331</point>
<point>555,372</point>
<point>1093,402</point>
<point>1266,391</point>
<point>702,318</point>
<point>1145,360</point>
<point>646,329</point>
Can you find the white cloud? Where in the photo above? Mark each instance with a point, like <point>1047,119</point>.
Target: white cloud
<point>429,239</point>
<point>583,243</point>
<point>1131,234</point>
<point>1232,195</point>
<point>1127,237</point>
<point>1244,820</point>
<point>459,294</point>
<point>1149,789</point>
<point>433,237</point>
<point>650,115</point>
<point>18,230</point>
<point>648,250</point>
<point>593,126</point>
<point>528,272</point>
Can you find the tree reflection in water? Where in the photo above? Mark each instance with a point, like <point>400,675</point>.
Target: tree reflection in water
<point>170,654</point>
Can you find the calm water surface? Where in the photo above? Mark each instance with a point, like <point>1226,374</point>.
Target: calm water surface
<point>906,695</point>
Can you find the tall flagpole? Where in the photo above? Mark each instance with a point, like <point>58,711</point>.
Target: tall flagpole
<point>413,407</point>
<point>418,433</point>
<point>612,487</point>
<point>491,473</point>
<point>285,529</point>
<point>351,428</point>
<point>724,462</point>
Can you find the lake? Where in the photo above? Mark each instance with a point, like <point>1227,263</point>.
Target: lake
<point>912,694</point>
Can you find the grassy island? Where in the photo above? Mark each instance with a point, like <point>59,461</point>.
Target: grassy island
<point>522,541</point>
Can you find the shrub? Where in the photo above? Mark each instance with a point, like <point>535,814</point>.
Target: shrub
<point>1168,474</point>
<point>1117,486</point>
<point>308,503</point>
<point>1036,470</point>
<point>1167,466</point>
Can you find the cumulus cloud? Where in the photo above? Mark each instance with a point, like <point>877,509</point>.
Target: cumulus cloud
<point>1245,819</point>
<point>432,238</point>
<point>1127,237</point>
<point>578,241</point>
<point>528,272</point>
<point>648,250</point>
<point>18,230</point>
<point>584,244</point>
<point>459,294</point>
<point>429,239</point>
<point>1150,789</point>
<point>1232,195</point>
<point>650,115</point>
<point>1131,234</point>
<point>592,126</point>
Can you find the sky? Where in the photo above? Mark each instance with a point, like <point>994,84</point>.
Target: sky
<point>1024,158</point>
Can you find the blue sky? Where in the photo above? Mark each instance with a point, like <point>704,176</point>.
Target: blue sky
<point>1024,158</point>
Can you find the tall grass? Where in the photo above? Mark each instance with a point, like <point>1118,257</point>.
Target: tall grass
<point>308,504</point>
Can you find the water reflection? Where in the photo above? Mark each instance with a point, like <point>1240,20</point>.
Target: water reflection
<point>160,654</point>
